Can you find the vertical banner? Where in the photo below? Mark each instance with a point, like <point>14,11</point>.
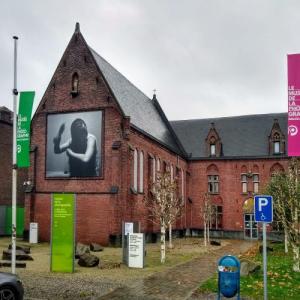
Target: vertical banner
<point>23,129</point>
<point>294,105</point>
<point>63,232</point>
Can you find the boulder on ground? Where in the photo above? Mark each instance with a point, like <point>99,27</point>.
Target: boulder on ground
<point>269,249</point>
<point>215,243</point>
<point>248,267</point>
<point>26,249</point>
<point>81,249</point>
<point>20,255</point>
<point>88,260</point>
<point>96,247</point>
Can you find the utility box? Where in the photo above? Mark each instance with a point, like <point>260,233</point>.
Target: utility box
<point>229,277</point>
<point>33,233</point>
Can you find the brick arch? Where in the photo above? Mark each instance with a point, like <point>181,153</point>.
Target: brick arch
<point>255,169</point>
<point>212,169</point>
<point>217,200</point>
<point>276,168</point>
<point>244,169</point>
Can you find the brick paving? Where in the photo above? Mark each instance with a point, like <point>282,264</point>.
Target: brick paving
<point>180,281</point>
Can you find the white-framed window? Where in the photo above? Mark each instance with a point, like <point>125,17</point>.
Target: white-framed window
<point>141,185</point>
<point>212,149</point>
<point>135,169</point>
<point>213,184</point>
<point>172,172</point>
<point>153,169</point>
<point>182,183</point>
<point>276,147</point>
<point>244,183</point>
<point>158,165</point>
<point>255,183</point>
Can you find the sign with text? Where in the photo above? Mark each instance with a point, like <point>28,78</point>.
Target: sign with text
<point>263,208</point>
<point>293,105</point>
<point>62,232</point>
<point>23,128</point>
<point>136,247</point>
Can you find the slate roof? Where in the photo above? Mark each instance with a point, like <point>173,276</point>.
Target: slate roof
<point>142,111</point>
<point>242,136</point>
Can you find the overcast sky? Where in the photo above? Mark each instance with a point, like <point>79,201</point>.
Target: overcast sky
<point>205,58</point>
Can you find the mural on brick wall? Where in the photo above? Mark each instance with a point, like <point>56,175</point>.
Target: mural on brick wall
<point>74,143</point>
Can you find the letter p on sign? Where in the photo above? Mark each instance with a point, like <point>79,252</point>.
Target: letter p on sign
<point>262,202</point>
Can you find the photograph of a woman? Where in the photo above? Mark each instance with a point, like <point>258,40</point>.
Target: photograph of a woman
<point>74,145</point>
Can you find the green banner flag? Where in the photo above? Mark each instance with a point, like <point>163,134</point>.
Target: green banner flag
<point>23,129</point>
<point>63,233</point>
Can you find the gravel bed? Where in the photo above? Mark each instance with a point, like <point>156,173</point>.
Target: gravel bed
<point>71,287</point>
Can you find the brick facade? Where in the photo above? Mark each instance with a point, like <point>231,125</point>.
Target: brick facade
<point>6,130</point>
<point>103,203</point>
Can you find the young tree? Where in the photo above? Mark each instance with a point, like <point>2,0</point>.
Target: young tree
<point>207,212</point>
<point>163,205</point>
<point>285,189</point>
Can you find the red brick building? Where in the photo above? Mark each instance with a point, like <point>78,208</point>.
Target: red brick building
<point>129,139</point>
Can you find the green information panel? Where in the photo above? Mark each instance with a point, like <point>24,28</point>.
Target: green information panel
<point>62,232</point>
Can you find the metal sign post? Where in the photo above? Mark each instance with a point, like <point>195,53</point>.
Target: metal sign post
<point>263,212</point>
<point>14,166</point>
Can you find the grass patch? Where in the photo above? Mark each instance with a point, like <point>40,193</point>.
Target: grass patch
<point>283,282</point>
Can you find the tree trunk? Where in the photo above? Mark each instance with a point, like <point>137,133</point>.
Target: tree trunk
<point>170,236</point>
<point>208,237</point>
<point>162,244</point>
<point>296,261</point>
<point>204,234</point>
<point>286,249</point>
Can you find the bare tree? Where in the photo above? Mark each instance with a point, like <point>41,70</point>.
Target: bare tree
<point>208,209</point>
<point>285,189</point>
<point>164,205</point>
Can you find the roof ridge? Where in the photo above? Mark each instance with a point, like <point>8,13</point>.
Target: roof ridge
<point>229,117</point>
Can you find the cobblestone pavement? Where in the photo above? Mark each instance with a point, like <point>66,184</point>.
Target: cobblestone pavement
<point>180,281</point>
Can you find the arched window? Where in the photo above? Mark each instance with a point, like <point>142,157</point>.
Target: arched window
<point>135,170</point>
<point>75,85</point>
<point>172,172</point>
<point>158,165</point>
<point>141,185</point>
<point>276,140</point>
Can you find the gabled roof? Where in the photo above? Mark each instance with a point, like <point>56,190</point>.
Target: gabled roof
<point>242,136</point>
<point>143,112</point>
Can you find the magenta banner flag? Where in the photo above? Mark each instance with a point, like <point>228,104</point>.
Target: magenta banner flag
<point>294,105</point>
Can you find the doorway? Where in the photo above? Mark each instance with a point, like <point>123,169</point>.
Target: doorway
<point>250,227</point>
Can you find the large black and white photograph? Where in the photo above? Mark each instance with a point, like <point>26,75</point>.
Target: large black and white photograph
<point>74,143</point>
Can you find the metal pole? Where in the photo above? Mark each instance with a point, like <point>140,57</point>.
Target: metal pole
<point>265,260</point>
<point>14,166</point>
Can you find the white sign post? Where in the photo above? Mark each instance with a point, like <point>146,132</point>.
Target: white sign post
<point>136,247</point>
<point>263,212</point>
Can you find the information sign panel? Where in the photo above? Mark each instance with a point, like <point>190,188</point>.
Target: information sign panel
<point>136,245</point>
<point>62,233</point>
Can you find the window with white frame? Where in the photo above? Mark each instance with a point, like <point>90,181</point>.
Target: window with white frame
<point>255,183</point>
<point>141,185</point>
<point>158,165</point>
<point>244,183</point>
<point>135,170</point>
<point>276,147</point>
<point>213,184</point>
<point>212,149</point>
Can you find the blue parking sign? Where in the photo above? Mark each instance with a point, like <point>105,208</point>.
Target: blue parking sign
<point>263,208</point>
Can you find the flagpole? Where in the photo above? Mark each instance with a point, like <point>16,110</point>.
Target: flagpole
<point>14,166</point>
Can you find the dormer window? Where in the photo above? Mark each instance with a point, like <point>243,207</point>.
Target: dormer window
<point>75,85</point>
<point>213,142</point>
<point>276,140</point>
